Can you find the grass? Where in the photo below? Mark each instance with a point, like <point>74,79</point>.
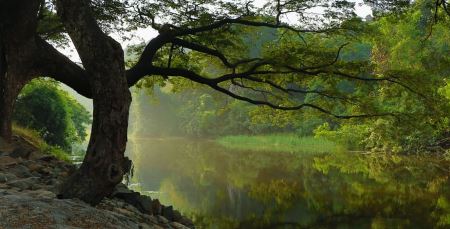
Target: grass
<point>33,137</point>
<point>280,143</point>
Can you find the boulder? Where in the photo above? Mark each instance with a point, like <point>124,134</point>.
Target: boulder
<point>177,225</point>
<point>6,177</point>
<point>47,158</point>
<point>7,161</point>
<point>187,222</point>
<point>23,184</point>
<point>156,207</point>
<point>167,212</point>
<point>142,203</point>
<point>176,216</point>
<point>34,166</point>
<point>22,152</point>
<point>20,171</point>
<point>162,219</point>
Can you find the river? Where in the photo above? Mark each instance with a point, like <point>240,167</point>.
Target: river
<point>223,188</point>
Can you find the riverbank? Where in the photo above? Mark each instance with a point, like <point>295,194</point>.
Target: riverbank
<point>280,143</point>
<point>29,180</point>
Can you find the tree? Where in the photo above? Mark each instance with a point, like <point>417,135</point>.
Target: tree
<point>303,59</point>
<point>52,112</point>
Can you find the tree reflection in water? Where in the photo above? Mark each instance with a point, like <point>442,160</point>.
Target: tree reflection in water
<point>222,188</point>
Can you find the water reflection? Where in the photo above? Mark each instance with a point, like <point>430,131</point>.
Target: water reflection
<point>222,188</point>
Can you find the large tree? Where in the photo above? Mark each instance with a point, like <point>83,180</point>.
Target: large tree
<point>201,41</point>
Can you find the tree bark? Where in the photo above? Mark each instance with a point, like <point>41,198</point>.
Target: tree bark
<point>17,48</point>
<point>8,95</point>
<point>104,164</point>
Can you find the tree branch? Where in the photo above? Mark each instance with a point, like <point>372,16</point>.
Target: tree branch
<point>221,23</point>
<point>52,63</point>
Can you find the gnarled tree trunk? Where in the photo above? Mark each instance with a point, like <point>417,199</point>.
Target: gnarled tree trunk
<point>8,94</point>
<point>104,164</point>
<point>17,46</point>
<point>5,100</point>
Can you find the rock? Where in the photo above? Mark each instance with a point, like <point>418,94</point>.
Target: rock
<point>23,211</point>
<point>142,203</point>
<point>167,212</point>
<point>5,177</point>
<point>7,161</point>
<point>33,166</point>
<point>21,171</point>
<point>121,188</point>
<point>22,184</point>
<point>5,147</point>
<point>152,219</point>
<point>144,226</point>
<point>162,219</point>
<point>176,216</point>
<point>177,225</point>
<point>187,222</point>
<point>29,180</point>
<point>123,211</point>
<point>21,152</point>
<point>45,171</point>
<point>41,193</point>
<point>47,158</point>
<point>156,207</point>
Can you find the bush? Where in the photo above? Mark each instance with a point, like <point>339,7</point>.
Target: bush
<point>58,118</point>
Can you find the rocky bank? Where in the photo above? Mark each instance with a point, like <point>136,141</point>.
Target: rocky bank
<point>28,183</point>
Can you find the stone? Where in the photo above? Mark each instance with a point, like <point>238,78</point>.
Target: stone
<point>187,222</point>
<point>121,188</point>
<point>5,177</point>
<point>176,216</point>
<point>34,166</point>
<point>45,171</point>
<point>156,207</point>
<point>177,225</point>
<point>123,211</point>
<point>21,171</point>
<point>144,226</point>
<point>167,212</point>
<point>21,152</point>
<point>22,184</point>
<point>7,161</point>
<point>5,147</point>
<point>142,203</point>
<point>152,219</point>
<point>162,219</point>
<point>47,158</point>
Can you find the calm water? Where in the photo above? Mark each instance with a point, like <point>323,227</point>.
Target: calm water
<point>222,188</point>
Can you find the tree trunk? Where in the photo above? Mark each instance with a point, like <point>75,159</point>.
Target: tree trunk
<point>7,99</point>
<point>17,49</point>
<point>104,164</point>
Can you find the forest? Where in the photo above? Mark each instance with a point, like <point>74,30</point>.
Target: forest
<point>284,113</point>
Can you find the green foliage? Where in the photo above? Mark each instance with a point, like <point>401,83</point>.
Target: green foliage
<point>280,143</point>
<point>403,48</point>
<point>405,55</point>
<point>58,118</point>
